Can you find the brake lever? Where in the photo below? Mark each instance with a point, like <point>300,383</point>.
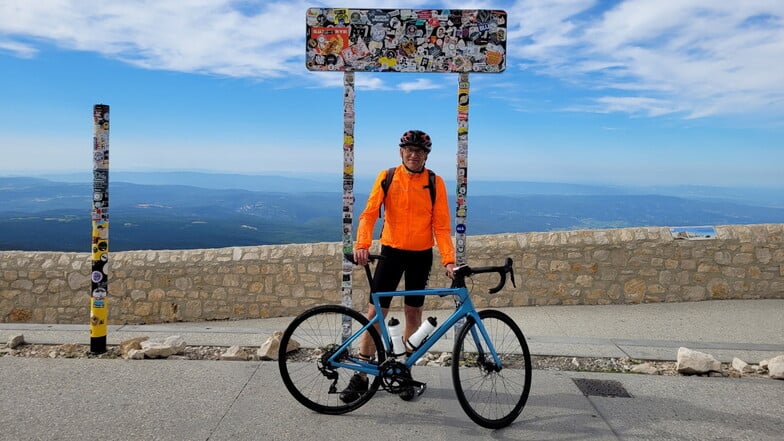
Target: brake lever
<point>507,268</point>
<point>510,270</point>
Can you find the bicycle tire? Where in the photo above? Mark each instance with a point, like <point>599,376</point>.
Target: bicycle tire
<point>317,331</point>
<point>492,398</point>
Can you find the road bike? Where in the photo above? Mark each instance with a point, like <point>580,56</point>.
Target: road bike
<point>490,364</point>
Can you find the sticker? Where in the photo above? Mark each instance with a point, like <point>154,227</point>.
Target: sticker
<point>100,230</point>
<point>98,265</point>
<point>100,178</point>
<point>460,228</point>
<point>96,276</point>
<point>405,40</point>
<point>99,247</point>
<point>462,101</point>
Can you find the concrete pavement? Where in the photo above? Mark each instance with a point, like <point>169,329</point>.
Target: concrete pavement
<point>68,399</point>
<point>748,329</point>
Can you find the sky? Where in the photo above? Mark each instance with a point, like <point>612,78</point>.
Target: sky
<point>632,92</point>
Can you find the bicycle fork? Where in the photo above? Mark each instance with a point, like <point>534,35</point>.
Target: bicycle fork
<point>486,355</point>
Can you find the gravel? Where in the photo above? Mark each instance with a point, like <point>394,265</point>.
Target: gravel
<point>550,363</point>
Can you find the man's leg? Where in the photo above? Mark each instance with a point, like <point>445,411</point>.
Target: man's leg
<point>366,346</point>
<point>386,277</point>
<point>358,383</point>
<point>417,275</point>
<point>413,319</point>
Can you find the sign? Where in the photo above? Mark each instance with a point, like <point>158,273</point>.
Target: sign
<point>693,233</point>
<point>406,40</point>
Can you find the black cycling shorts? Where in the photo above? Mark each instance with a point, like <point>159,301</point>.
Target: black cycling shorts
<point>414,264</point>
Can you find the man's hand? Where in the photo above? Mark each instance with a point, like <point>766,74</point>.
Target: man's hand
<point>450,270</point>
<point>361,257</point>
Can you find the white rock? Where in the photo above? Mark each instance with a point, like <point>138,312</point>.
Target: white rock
<point>234,353</point>
<point>645,368</point>
<point>156,348</point>
<point>444,358</point>
<point>776,367</point>
<point>135,354</point>
<point>695,362</point>
<point>740,365</point>
<point>16,341</point>
<point>269,349</point>
<point>177,343</point>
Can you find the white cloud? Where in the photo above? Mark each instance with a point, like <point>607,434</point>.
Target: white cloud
<point>648,57</point>
<point>420,84</point>
<point>695,57</point>
<point>647,106</point>
<point>19,49</point>
<point>209,36</point>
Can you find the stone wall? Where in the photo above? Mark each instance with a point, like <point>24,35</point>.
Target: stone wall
<point>570,267</point>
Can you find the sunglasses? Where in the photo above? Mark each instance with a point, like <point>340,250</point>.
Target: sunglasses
<point>415,151</point>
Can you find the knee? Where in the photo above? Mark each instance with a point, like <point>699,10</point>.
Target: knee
<point>413,312</point>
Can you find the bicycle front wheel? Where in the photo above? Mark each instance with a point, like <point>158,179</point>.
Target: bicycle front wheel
<point>309,376</point>
<point>492,396</point>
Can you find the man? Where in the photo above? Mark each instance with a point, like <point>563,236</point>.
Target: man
<point>413,223</point>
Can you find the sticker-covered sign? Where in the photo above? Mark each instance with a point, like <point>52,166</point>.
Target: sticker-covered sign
<point>406,40</point>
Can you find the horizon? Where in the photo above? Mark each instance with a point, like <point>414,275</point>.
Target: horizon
<point>631,93</point>
<point>86,178</point>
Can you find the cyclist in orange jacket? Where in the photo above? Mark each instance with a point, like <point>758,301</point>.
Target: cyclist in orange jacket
<point>413,223</point>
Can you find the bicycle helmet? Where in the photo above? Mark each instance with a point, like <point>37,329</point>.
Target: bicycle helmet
<point>416,138</point>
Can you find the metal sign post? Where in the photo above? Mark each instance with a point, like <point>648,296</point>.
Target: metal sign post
<point>99,288</point>
<point>461,202</point>
<point>348,194</point>
<point>404,40</point>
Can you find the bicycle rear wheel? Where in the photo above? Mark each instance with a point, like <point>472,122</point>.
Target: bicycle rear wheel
<point>492,397</point>
<point>307,374</point>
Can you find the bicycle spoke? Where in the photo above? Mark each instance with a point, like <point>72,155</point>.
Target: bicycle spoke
<point>307,373</point>
<point>492,396</point>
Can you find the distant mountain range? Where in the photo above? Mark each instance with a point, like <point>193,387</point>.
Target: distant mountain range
<point>207,210</point>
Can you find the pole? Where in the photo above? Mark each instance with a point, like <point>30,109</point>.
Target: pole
<point>348,194</point>
<point>462,168</point>
<point>100,221</point>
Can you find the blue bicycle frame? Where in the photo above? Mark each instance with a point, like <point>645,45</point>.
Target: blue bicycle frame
<point>465,309</point>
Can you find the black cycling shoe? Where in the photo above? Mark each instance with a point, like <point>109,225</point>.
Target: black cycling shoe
<point>408,394</point>
<point>412,391</point>
<point>357,386</point>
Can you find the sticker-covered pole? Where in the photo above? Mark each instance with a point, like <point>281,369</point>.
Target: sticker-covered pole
<point>99,288</point>
<point>348,194</point>
<point>462,169</point>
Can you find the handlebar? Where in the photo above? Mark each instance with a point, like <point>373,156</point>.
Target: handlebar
<point>461,272</point>
<point>502,270</point>
<point>371,257</point>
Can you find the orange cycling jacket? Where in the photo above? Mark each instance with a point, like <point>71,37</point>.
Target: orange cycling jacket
<point>411,219</point>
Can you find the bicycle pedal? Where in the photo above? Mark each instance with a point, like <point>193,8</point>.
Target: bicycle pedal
<point>415,390</point>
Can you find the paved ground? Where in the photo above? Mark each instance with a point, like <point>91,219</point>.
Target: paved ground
<point>69,399</point>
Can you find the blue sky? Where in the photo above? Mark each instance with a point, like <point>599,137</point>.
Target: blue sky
<point>636,92</point>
